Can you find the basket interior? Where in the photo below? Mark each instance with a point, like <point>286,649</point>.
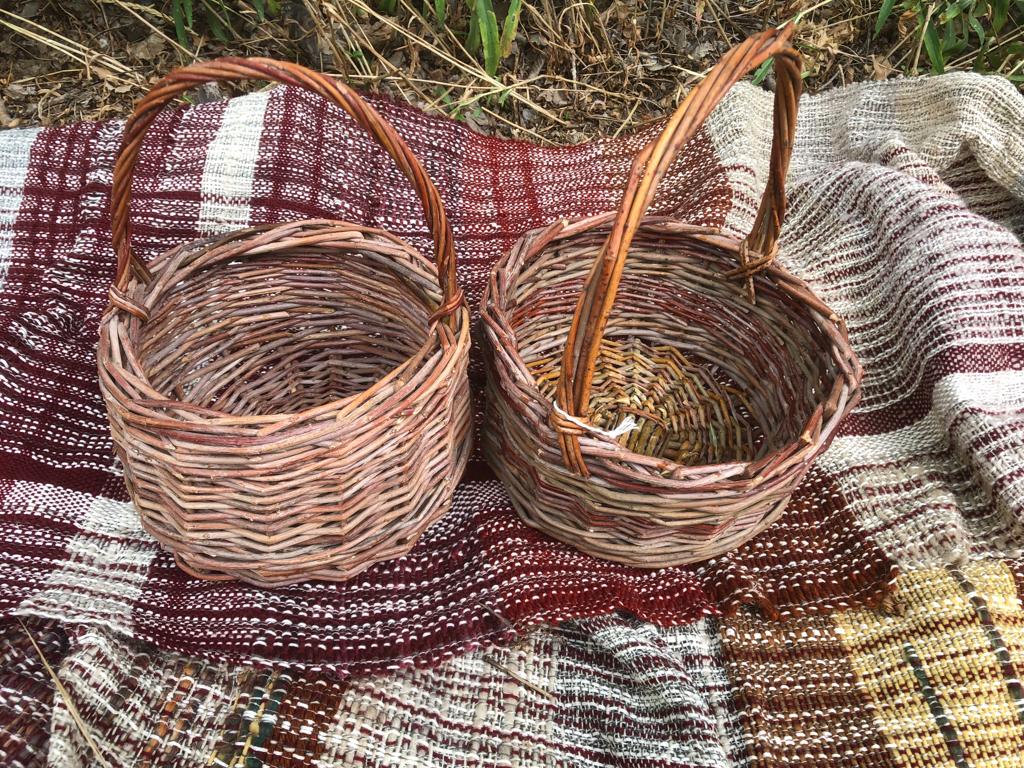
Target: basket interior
<point>284,332</point>
<point>704,376</point>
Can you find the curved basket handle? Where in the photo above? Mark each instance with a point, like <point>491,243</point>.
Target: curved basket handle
<point>231,69</point>
<point>649,167</point>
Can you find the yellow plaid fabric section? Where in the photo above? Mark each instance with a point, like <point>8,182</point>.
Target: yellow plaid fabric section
<point>943,673</point>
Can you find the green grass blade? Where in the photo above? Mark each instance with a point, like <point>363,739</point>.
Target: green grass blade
<point>934,49</point>
<point>510,26</point>
<point>1000,12</point>
<point>978,30</point>
<point>217,28</point>
<point>948,38</point>
<point>473,36</point>
<point>178,14</point>
<point>220,26</point>
<point>981,63</point>
<point>762,71</point>
<point>883,14</point>
<point>488,24</point>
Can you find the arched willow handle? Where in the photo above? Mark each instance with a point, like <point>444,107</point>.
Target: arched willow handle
<point>334,91</point>
<point>649,167</point>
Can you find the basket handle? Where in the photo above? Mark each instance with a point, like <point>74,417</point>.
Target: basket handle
<point>649,167</point>
<point>232,69</point>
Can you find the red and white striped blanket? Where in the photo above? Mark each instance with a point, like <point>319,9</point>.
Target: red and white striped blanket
<point>906,207</point>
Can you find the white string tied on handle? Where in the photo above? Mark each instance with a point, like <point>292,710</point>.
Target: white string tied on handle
<point>625,426</point>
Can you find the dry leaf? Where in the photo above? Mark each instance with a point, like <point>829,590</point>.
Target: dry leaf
<point>104,74</point>
<point>907,23</point>
<point>881,67</point>
<point>147,49</point>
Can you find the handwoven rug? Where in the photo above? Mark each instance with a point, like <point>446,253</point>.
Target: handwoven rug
<point>936,686</point>
<point>905,200</point>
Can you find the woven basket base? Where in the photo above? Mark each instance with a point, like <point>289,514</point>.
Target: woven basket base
<point>683,410</point>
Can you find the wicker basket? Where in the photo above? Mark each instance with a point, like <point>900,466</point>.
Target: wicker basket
<point>289,402</point>
<point>669,416</point>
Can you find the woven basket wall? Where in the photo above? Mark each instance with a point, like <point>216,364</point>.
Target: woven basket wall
<point>656,390</point>
<point>291,401</point>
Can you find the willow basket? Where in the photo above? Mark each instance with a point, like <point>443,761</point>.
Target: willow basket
<point>292,401</point>
<point>650,411</point>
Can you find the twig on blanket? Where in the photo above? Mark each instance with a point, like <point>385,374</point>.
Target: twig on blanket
<point>72,709</point>
<point>520,679</point>
<point>513,627</point>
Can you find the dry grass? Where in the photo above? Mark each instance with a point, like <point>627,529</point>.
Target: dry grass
<point>577,69</point>
<point>69,703</point>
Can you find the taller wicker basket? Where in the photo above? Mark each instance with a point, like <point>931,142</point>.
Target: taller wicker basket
<point>669,416</point>
<point>290,402</point>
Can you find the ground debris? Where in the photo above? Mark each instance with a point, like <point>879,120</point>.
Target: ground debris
<point>575,70</point>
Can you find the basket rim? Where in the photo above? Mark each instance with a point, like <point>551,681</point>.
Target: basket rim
<point>640,466</point>
<point>284,420</point>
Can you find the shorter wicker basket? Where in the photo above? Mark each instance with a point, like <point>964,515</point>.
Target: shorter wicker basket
<point>650,411</point>
<point>292,401</point>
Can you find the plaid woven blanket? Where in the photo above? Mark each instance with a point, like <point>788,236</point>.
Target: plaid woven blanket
<point>935,687</point>
<point>906,207</point>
